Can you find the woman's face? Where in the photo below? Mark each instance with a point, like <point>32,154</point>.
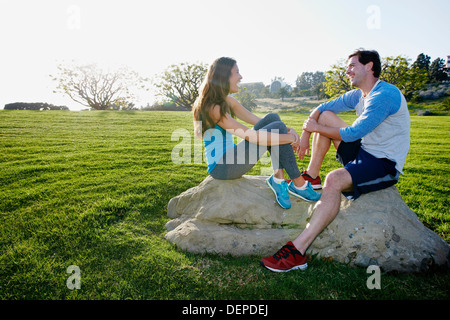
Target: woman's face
<point>235,78</point>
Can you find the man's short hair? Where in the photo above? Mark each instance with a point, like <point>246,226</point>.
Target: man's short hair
<point>366,56</point>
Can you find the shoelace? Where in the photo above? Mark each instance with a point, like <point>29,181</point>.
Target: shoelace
<point>285,251</point>
<point>284,186</point>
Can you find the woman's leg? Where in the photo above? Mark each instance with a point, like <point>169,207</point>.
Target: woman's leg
<point>238,161</point>
<point>283,156</point>
<point>267,119</point>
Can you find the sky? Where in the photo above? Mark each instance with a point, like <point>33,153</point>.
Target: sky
<point>276,38</point>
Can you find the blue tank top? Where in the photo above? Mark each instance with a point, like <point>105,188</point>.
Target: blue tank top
<point>217,141</point>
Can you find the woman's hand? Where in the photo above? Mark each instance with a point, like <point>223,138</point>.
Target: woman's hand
<point>303,147</point>
<point>295,134</point>
<point>295,145</point>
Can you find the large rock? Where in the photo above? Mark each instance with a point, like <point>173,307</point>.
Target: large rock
<point>241,217</point>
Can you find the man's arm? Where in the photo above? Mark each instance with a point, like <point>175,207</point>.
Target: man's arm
<point>377,108</point>
<point>346,102</point>
<point>311,125</point>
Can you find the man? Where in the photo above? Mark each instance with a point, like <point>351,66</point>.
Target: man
<point>372,150</point>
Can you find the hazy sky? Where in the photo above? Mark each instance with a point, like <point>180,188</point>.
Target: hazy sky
<point>268,38</point>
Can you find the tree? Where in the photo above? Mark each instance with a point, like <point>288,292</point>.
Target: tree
<point>318,90</point>
<point>310,83</point>
<point>255,88</point>
<point>276,78</point>
<point>96,88</point>
<point>437,71</point>
<point>305,81</point>
<point>422,62</point>
<point>283,92</point>
<point>397,71</point>
<point>337,82</point>
<point>246,98</point>
<point>180,83</point>
<point>33,106</point>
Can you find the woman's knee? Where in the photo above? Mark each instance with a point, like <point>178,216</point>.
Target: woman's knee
<point>272,123</point>
<point>277,126</point>
<point>272,117</point>
<point>267,120</point>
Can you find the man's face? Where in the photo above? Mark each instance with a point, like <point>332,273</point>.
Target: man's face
<point>357,72</point>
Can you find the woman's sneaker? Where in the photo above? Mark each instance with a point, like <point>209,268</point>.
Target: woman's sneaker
<point>286,259</point>
<point>308,194</point>
<point>316,183</point>
<point>281,192</point>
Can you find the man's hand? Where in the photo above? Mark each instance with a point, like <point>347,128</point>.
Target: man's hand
<point>310,125</point>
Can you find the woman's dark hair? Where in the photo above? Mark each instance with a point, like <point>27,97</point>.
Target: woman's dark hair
<point>366,56</point>
<point>213,91</point>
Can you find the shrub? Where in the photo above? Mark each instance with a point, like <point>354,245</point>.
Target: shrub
<point>33,106</point>
<point>445,105</point>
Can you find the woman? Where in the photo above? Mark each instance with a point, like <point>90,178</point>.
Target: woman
<point>214,112</point>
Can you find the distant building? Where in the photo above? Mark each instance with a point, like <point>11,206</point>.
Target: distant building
<point>276,85</point>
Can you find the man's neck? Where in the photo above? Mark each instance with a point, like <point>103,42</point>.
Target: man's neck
<point>368,86</point>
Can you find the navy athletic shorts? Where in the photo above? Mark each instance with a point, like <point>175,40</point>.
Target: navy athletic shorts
<point>368,173</point>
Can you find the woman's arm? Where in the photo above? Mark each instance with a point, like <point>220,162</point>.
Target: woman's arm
<point>259,137</point>
<point>241,112</point>
<point>247,116</point>
<point>304,147</point>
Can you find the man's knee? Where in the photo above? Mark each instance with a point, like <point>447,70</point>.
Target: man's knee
<point>330,119</point>
<point>339,179</point>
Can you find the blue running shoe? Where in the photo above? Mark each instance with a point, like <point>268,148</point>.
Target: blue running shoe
<point>308,194</point>
<point>281,192</point>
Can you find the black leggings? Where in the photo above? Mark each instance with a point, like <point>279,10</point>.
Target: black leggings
<point>243,157</point>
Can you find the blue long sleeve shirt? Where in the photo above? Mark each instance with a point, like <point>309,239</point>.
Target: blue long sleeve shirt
<point>383,121</point>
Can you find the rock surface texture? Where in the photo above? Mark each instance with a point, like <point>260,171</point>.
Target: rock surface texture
<point>240,217</point>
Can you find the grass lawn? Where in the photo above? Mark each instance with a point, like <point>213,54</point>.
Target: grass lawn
<point>91,189</point>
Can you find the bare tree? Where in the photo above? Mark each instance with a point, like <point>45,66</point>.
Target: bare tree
<point>179,83</point>
<point>96,88</point>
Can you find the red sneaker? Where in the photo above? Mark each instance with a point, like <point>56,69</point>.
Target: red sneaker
<point>286,259</point>
<point>315,182</point>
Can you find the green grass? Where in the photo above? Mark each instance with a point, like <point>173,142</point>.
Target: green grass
<point>91,189</point>
<point>436,107</point>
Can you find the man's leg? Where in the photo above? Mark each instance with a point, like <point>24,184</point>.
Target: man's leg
<point>321,144</point>
<point>293,255</point>
<point>327,208</point>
